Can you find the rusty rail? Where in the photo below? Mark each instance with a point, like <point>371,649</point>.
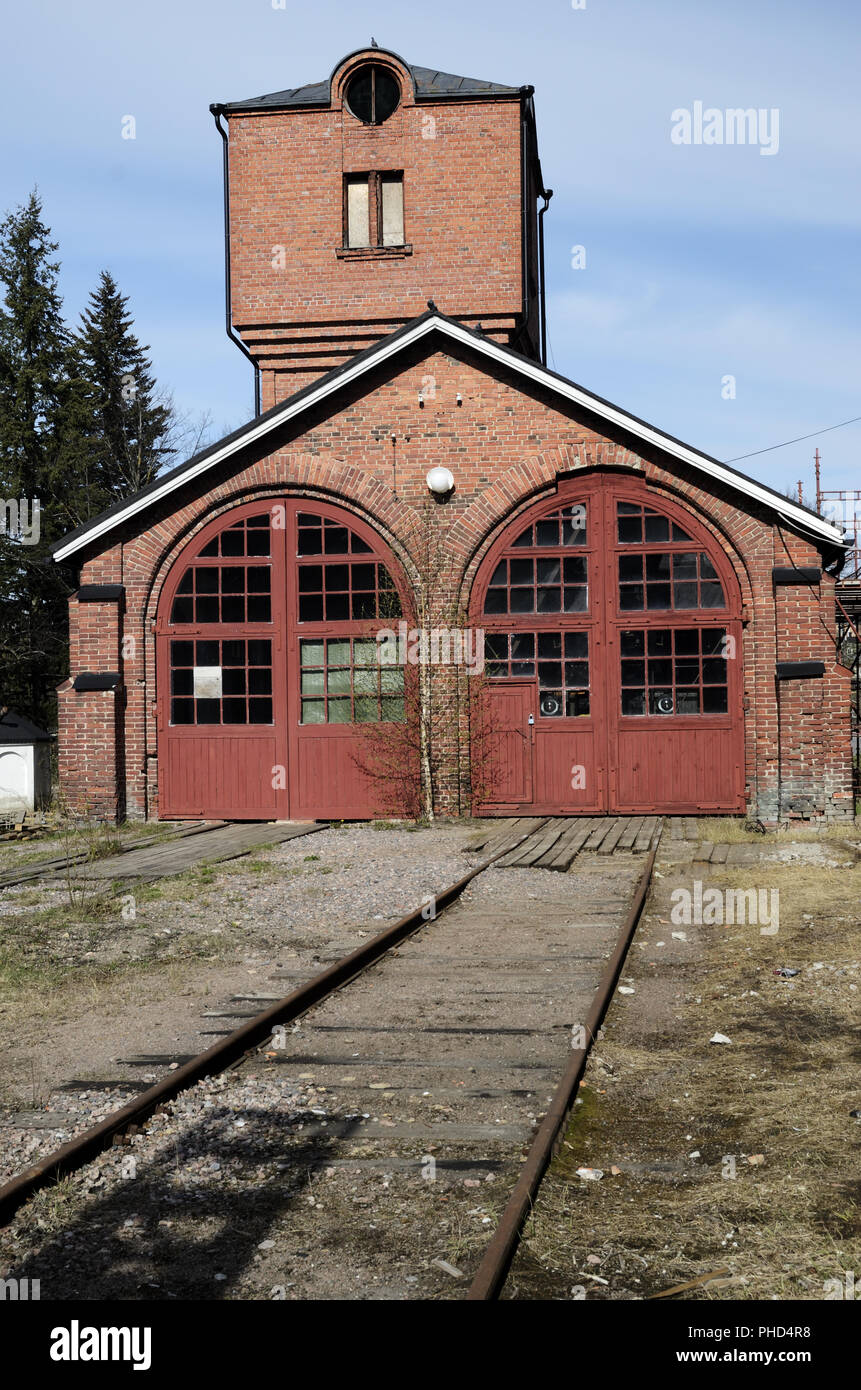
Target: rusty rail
<point>221,1055</point>
<point>496,1261</point>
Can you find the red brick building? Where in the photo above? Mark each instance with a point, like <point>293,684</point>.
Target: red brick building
<point>659,630</point>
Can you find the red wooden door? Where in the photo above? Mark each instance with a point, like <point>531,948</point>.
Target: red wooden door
<point>272,703</point>
<point>624,615</point>
<point>508,725</point>
<point>221,679</point>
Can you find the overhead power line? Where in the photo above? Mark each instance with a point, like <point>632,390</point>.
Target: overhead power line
<point>800,438</point>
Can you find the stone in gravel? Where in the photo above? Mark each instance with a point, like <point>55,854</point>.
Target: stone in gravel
<point>720,1038</point>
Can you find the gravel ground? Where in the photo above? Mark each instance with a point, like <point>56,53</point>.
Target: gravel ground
<point>314,899</point>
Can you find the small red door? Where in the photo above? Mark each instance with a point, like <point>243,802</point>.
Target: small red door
<point>507,724</point>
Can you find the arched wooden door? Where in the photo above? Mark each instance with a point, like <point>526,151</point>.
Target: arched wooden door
<point>612,630</point>
<point>270,695</point>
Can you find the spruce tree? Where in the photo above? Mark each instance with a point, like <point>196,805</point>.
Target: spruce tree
<point>114,400</point>
<point>33,362</point>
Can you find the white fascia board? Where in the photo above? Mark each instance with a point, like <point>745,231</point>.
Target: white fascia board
<point>533,370</point>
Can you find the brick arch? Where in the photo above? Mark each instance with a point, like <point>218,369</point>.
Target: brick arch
<point>381,57</point>
<point>538,476</point>
<point>160,546</point>
<point>345,485</point>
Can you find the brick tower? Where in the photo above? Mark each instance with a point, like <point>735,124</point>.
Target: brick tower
<point>351,202</point>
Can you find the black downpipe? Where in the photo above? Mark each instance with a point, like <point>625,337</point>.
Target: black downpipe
<point>546,194</point>
<point>528,159</point>
<point>216,115</point>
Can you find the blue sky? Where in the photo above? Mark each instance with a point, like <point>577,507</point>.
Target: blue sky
<point>702,261</point>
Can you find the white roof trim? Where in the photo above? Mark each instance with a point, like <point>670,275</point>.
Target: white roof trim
<point>258,430</point>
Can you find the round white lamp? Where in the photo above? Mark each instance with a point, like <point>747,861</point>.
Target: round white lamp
<point>440,481</point>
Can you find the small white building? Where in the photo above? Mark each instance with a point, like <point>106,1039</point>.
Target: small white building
<point>25,765</point>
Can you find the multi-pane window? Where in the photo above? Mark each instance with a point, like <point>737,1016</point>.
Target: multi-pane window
<point>321,536</point>
<point>346,592</point>
<point>221,682</point>
<point>247,537</point>
<point>373,209</point>
<point>343,682</point>
<point>638,525</point>
<point>224,594</point>
<point>559,659</point>
<point>552,579</point>
<point>674,671</point>
<point>661,574</point>
<point>565,527</point>
<point>680,579</point>
<point>555,584</point>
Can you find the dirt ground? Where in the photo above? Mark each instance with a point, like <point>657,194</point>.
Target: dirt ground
<point>734,1159</point>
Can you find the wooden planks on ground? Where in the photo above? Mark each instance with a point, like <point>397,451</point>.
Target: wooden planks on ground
<point>509,832</point>
<point>229,841</point>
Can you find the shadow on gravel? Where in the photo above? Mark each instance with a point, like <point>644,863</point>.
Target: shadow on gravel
<point>114,1247</point>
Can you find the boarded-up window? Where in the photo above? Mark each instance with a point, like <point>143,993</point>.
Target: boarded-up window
<point>357,211</point>
<point>374,209</point>
<point>392,209</point>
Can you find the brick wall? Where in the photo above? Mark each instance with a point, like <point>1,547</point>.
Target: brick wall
<point>301,304</point>
<point>506,450</point>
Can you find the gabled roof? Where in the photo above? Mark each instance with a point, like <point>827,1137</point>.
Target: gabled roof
<point>430,84</point>
<point>15,728</point>
<point>432,322</point>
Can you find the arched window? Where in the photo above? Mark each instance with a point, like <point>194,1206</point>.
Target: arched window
<point>373,94</point>
<point>612,624</point>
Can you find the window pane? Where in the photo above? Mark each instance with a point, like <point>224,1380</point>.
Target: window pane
<point>313,712</point>
<point>576,600</point>
<point>549,644</point>
<point>657,527</point>
<point>311,653</point>
<point>658,595</point>
<point>364,653</point>
<point>233,712</point>
<point>393,211</point>
<point>523,600</point>
<point>633,702</point>
<point>358,212</point>
<point>577,703</point>
<point>550,600</point>
<point>547,532</point>
<point>182,653</point>
<point>339,681</point>
<point>711,596</point>
<point>576,644</point>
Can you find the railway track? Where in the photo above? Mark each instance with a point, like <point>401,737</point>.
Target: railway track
<point>429,1095</point>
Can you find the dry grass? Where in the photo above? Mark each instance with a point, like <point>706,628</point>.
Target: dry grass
<point>783,1090</point>
<point>736,830</point>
